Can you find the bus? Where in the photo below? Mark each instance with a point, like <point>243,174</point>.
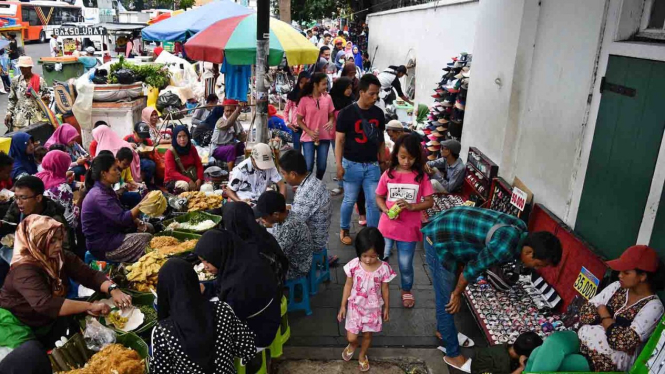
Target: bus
<point>39,18</point>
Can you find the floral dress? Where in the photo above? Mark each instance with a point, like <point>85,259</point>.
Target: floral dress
<point>617,348</point>
<point>25,109</point>
<point>63,195</point>
<point>364,311</point>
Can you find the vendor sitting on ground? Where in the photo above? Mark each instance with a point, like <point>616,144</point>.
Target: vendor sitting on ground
<point>33,306</point>
<point>291,233</point>
<point>200,114</point>
<point>184,170</point>
<point>251,177</point>
<point>56,185</point>
<point>105,222</point>
<point>138,140</point>
<point>129,197</point>
<point>150,116</point>
<point>452,177</point>
<point>67,135</point>
<point>226,141</point>
<point>22,150</point>
<point>278,126</point>
<point>506,358</point>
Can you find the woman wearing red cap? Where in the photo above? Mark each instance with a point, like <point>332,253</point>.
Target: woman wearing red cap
<point>619,320</point>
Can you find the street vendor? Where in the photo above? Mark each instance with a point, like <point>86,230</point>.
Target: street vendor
<point>139,140</point>
<point>389,79</point>
<point>200,114</point>
<point>150,116</point>
<point>32,300</point>
<point>226,141</point>
<point>478,239</point>
<point>251,177</point>
<point>452,177</point>
<point>111,232</point>
<point>26,89</point>
<point>22,150</point>
<point>67,135</point>
<point>183,167</point>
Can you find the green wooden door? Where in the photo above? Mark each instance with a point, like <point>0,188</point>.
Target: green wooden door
<point>629,130</point>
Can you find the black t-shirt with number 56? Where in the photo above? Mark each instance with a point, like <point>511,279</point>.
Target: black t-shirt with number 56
<point>357,148</point>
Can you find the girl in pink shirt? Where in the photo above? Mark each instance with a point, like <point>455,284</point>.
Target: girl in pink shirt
<point>404,184</point>
<point>316,119</point>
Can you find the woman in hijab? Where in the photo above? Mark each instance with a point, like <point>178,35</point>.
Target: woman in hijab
<point>108,140</point>
<point>194,335</point>
<point>244,281</point>
<point>357,57</point>
<point>291,109</point>
<point>238,218</point>
<point>22,151</point>
<point>66,135</point>
<point>54,176</point>
<point>32,298</point>
<point>183,167</point>
<point>150,116</point>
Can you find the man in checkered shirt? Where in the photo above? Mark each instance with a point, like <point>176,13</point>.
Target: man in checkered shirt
<point>477,239</point>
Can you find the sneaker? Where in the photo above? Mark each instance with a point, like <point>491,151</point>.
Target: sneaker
<point>344,237</point>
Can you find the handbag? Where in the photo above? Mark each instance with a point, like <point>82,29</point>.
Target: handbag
<point>190,172</point>
<point>371,132</point>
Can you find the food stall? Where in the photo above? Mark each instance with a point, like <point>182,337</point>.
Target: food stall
<point>108,39</point>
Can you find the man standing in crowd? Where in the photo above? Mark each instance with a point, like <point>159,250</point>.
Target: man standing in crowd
<point>452,165</point>
<point>325,41</point>
<point>311,203</point>
<point>314,36</point>
<point>54,46</point>
<point>357,153</point>
<point>250,178</point>
<point>478,239</point>
<point>13,53</point>
<point>389,79</point>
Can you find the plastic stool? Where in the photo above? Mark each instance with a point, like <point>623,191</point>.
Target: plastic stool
<point>320,271</point>
<point>254,363</point>
<point>302,304</point>
<point>283,333</point>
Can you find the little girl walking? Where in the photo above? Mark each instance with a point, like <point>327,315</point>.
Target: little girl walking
<point>406,185</point>
<point>366,291</point>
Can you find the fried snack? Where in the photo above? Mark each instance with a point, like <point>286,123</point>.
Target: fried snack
<point>154,204</point>
<point>163,241</point>
<point>113,359</point>
<point>185,246</point>
<point>143,274</point>
<point>117,320</point>
<point>197,200</point>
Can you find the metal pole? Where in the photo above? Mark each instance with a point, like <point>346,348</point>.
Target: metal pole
<point>262,44</point>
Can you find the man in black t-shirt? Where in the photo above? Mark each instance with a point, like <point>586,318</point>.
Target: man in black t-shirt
<point>358,158</point>
<point>13,52</point>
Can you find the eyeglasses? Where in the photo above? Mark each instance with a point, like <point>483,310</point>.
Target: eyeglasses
<point>24,198</point>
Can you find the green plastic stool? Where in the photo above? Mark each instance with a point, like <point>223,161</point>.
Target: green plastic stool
<point>283,333</point>
<point>240,369</point>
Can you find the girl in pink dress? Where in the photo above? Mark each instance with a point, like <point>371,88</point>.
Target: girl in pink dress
<point>366,291</point>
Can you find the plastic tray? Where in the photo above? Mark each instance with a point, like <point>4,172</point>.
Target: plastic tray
<point>201,216</point>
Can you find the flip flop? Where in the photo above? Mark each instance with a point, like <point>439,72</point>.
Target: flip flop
<point>408,297</point>
<point>364,365</point>
<point>362,222</point>
<point>332,260</point>
<point>465,368</point>
<point>347,355</point>
<point>463,340</point>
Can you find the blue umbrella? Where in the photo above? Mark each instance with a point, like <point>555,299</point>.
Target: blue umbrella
<point>183,26</point>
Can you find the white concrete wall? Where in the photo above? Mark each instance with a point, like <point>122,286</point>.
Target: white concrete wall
<point>432,33</point>
<point>532,75</point>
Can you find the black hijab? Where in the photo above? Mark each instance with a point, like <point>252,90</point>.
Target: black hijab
<point>341,101</point>
<point>295,92</point>
<point>183,310</point>
<point>245,281</point>
<point>238,218</point>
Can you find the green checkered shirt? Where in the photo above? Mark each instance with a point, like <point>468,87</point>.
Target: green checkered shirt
<point>458,235</point>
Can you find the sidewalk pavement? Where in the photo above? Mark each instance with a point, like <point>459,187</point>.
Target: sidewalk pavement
<point>410,332</point>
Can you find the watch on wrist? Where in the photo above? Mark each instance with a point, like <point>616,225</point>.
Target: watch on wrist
<point>112,287</point>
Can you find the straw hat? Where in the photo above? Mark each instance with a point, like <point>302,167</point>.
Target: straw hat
<point>25,62</point>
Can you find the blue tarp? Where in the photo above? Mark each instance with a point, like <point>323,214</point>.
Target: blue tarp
<point>183,26</point>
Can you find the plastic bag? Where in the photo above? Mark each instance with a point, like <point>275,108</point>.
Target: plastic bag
<point>168,99</point>
<point>96,335</point>
<point>125,76</point>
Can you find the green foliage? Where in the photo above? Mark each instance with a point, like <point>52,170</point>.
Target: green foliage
<point>155,75</point>
<point>186,4</point>
<point>307,10</point>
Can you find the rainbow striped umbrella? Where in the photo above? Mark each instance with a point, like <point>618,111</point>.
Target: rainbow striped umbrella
<point>235,39</point>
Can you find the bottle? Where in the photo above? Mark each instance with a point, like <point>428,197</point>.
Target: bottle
<point>393,213</point>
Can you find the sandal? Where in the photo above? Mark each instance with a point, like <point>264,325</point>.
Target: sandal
<point>336,192</point>
<point>332,260</point>
<point>347,354</point>
<point>407,300</point>
<point>466,367</point>
<point>344,237</point>
<point>363,365</point>
<point>362,222</point>
<point>463,340</point>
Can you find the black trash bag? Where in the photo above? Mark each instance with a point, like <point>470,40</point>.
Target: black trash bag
<point>172,113</point>
<point>168,99</point>
<point>125,76</point>
<point>99,80</point>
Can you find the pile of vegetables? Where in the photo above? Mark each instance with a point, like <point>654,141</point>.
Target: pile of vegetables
<point>155,75</point>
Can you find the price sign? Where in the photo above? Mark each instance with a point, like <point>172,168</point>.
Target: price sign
<point>518,199</point>
<point>586,284</point>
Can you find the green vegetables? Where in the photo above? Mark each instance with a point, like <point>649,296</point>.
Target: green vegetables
<point>149,313</point>
<point>155,75</point>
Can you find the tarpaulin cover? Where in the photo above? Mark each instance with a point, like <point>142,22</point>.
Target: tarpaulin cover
<point>182,26</point>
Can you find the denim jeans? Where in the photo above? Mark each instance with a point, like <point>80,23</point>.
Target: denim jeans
<point>321,156</point>
<point>340,183</point>
<point>356,175</point>
<point>405,253</point>
<point>296,141</point>
<point>444,282</point>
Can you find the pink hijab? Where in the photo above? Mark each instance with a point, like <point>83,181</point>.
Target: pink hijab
<point>55,165</point>
<point>107,140</point>
<point>147,113</point>
<point>64,134</point>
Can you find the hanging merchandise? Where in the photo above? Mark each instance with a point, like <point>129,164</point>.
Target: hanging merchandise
<point>236,80</point>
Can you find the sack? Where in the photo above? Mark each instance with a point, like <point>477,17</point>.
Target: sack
<point>371,132</point>
<point>125,76</point>
<point>168,99</point>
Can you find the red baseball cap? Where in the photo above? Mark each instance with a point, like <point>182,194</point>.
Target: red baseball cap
<point>638,257</point>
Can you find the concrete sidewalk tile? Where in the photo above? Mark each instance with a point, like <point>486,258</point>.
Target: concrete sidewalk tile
<point>326,298</point>
<point>410,322</point>
<point>323,322</point>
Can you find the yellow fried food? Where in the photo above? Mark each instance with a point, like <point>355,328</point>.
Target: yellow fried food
<point>185,246</point>
<point>117,320</point>
<point>143,273</point>
<point>113,359</point>
<point>197,200</point>
<point>163,241</point>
